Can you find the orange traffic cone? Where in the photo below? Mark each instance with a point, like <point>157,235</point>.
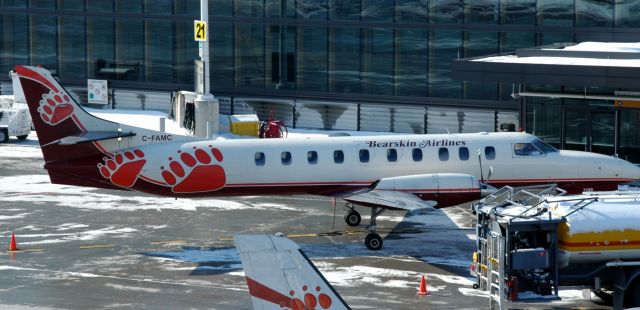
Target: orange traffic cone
<point>423,286</point>
<point>12,245</point>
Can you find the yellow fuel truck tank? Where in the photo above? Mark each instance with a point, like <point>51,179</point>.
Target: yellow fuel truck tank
<point>599,228</point>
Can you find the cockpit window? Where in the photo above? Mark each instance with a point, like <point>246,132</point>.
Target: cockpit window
<point>525,149</point>
<point>545,148</point>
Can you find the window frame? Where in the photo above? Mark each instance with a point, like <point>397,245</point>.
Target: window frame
<point>493,152</point>
<point>341,152</point>
<point>395,155</point>
<point>443,151</point>
<point>460,153</point>
<point>360,156</point>
<point>415,151</point>
<point>286,158</point>
<point>259,159</point>
<point>314,157</point>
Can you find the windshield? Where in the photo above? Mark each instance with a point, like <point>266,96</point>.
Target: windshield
<point>535,148</point>
<point>545,148</point>
<point>525,149</point>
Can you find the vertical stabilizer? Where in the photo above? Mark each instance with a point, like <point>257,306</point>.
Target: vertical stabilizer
<point>56,115</point>
<point>280,276</point>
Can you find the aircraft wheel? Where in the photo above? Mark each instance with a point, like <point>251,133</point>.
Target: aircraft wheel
<point>22,137</point>
<point>373,242</point>
<point>4,135</point>
<point>352,218</point>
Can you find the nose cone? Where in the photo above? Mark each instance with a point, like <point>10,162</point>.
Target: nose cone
<point>486,189</point>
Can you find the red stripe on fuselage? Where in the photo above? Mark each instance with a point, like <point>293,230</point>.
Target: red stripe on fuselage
<point>559,180</point>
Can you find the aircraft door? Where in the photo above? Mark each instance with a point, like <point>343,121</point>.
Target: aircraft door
<point>495,161</point>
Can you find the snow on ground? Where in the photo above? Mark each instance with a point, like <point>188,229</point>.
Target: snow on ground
<point>28,148</point>
<point>85,235</point>
<point>39,189</point>
<point>446,229</point>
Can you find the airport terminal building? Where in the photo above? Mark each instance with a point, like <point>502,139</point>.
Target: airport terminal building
<point>344,64</point>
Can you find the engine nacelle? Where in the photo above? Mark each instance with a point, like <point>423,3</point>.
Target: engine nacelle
<point>447,189</point>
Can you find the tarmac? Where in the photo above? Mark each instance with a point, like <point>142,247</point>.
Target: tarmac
<point>85,248</point>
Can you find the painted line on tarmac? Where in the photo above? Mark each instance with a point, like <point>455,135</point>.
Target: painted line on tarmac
<point>168,242</point>
<point>25,251</point>
<point>97,246</point>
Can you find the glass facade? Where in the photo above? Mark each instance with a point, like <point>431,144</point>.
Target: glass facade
<point>364,51</point>
<point>322,48</point>
<point>149,42</point>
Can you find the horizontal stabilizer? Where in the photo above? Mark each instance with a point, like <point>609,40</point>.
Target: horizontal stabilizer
<point>280,276</point>
<point>92,136</point>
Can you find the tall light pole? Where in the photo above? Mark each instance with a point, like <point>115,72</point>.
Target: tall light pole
<point>207,107</point>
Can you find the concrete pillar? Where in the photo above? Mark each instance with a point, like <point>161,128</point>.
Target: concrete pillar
<point>207,111</point>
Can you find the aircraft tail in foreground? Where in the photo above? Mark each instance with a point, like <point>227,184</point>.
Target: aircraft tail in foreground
<point>281,276</point>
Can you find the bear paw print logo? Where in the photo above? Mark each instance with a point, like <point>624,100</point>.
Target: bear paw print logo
<point>311,300</point>
<point>124,168</point>
<point>195,173</point>
<point>55,108</point>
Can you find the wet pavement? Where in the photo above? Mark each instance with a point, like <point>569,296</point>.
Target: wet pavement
<point>85,248</point>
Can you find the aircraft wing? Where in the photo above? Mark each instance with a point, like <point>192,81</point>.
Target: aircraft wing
<point>390,199</point>
<point>280,276</point>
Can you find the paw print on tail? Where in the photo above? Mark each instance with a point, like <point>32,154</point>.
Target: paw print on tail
<point>55,108</point>
<point>311,301</point>
<point>124,168</point>
<point>195,173</point>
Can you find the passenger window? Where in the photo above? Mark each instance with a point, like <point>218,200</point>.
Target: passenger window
<point>490,153</point>
<point>338,157</point>
<point>392,155</point>
<point>463,153</point>
<point>285,157</point>
<point>443,153</point>
<point>259,159</point>
<point>312,157</point>
<point>525,149</point>
<point>364,156</point>
<point>416,154</point>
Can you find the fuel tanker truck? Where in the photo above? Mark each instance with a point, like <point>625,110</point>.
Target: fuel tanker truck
<point>528,245</point>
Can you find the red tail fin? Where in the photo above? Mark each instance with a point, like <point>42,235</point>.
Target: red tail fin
<point>56,115</point>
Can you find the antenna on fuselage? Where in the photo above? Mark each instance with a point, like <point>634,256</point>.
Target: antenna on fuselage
<point>489,173</point>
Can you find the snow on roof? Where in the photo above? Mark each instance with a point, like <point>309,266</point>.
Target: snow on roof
<point>599,212</point>
<point>572,61</point>
<point>577,61</point>
<point>619,47</point>
<point>608,213</point>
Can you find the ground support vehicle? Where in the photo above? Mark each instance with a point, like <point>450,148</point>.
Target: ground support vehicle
<point>529,245</point>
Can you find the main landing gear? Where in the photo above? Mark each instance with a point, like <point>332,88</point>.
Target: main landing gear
<point>373,241</point>
<point>352,217</point>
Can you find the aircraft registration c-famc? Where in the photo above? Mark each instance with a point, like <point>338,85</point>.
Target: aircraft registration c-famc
<point>403,172</point>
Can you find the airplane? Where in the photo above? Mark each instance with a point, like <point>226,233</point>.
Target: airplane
<point>399,172</point>
<point>280,276</point>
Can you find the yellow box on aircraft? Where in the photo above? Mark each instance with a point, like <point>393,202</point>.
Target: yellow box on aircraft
<point>245,125</point>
